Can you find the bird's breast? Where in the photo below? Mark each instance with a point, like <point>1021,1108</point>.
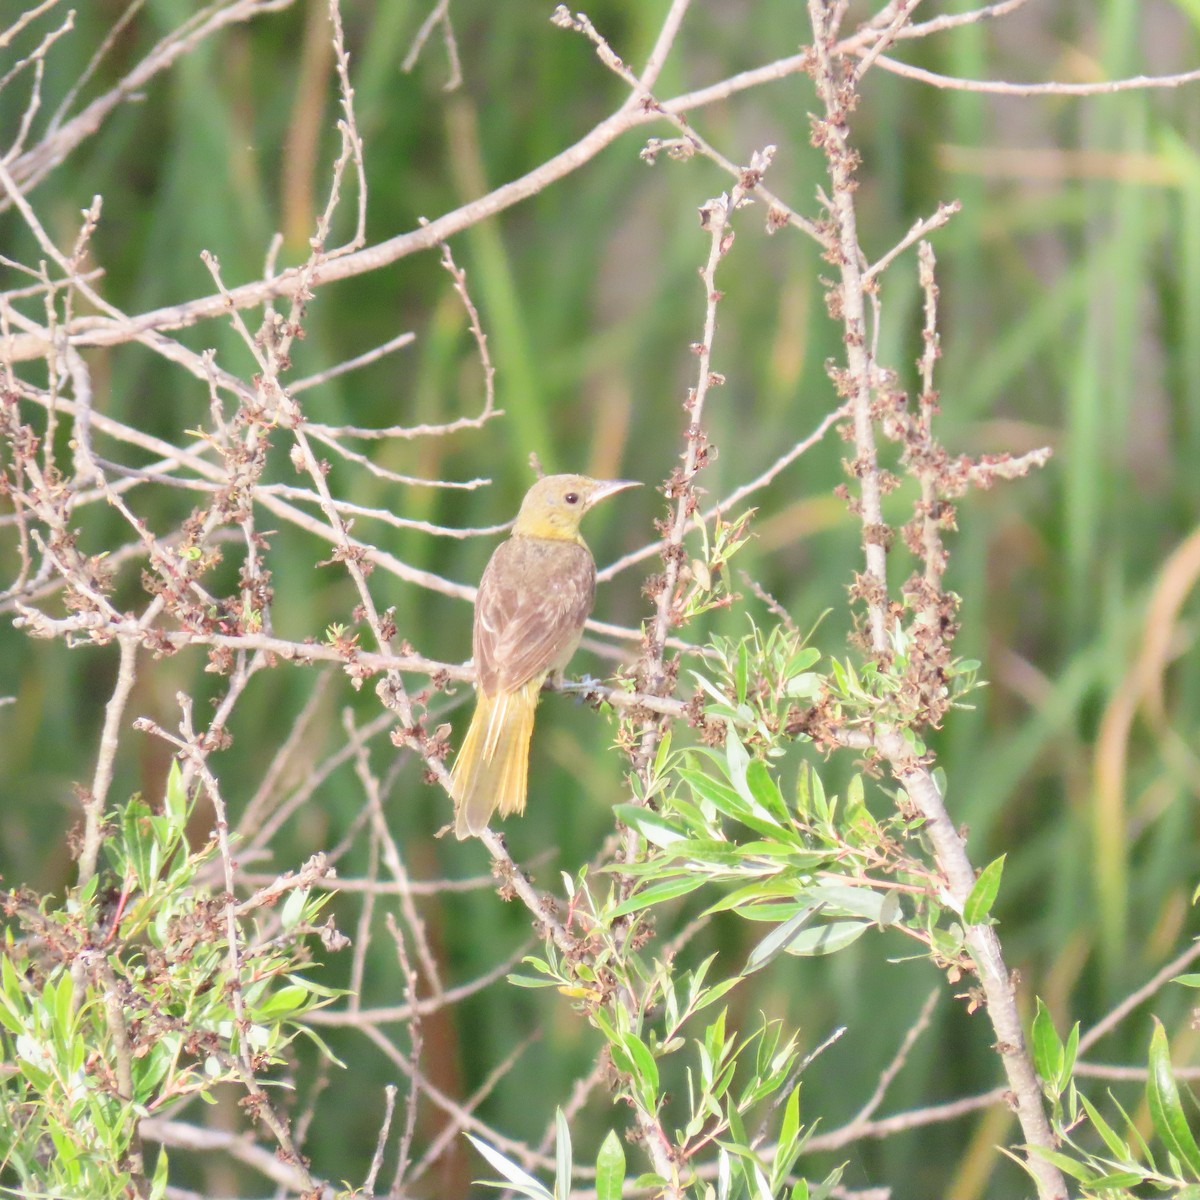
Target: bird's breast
<point>533,601</point>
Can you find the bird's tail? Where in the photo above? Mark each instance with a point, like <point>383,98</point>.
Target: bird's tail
<point>493,765</point>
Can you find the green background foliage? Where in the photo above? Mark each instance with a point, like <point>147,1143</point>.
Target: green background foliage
<point>1070,317</point>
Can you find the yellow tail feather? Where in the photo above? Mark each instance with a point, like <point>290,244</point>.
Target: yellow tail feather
<point>492,768</point>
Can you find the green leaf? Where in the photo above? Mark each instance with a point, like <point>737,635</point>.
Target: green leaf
<point>656,829</point>
<point>770,912</point>
<point>740,805</point>
<point>562,1157</point>
<point>724,1174</point>
<point>891,910</point>
<point>1141,1150</point>
<point>765,791</point>
<point>1125,1179</point>
<point>529,981</point>
<point>1064,1162</point>
<point>804,686</point>
<point>645,1068</point>
<point>761,1184</point>
<point>159,1185</point>
<point>843,900</point>
<point>657,893</point>
<point>283,1003</point>
<point>1166,1110</point>
<point>714,1037</point>
<point>777,939</point>
<point>826,939</point>
<point>519,1180</point>
<point>610,1168</point>
<point>710,688</point>
<point>783,890</point>
<point>803,658</point>
<point>1116,1146</point>
<point>712,852</point>
<point>293,908</point>
<point>134,823</point>
<point>713,994</point>
<point>61,1006</point>
<point>741,675</point>
<point>705,787</point>
<point>1048,1052</point>
<point>810,795</point>
<point>983,895</point>
<point>600,1018</point>
<point>175,801</point>
<point>320,1043</point>
<point>788,1148</point>
<point>1072,1049</point>
<point>737,759</point>
<point>663,754</point>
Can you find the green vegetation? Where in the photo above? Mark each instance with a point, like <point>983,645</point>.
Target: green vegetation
<point>769,939</point>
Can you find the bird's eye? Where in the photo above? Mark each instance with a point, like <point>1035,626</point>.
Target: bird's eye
<point>572,497</point>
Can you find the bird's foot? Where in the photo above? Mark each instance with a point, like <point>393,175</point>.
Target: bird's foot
<point>582,688</point>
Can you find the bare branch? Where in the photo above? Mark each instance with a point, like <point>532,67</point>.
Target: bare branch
<point>993,87</point>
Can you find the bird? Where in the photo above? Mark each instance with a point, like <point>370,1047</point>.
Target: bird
<point>533,600</point>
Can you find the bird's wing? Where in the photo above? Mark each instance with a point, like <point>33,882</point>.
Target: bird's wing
<point>532,604</point>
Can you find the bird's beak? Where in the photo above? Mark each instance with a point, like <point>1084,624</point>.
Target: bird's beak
<point>608,487</point>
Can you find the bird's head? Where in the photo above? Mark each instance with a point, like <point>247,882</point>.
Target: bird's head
<point>554,506</point>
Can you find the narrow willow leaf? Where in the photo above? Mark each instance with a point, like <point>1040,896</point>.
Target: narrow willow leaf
<point>788,1148</point>
<point>713,994</point>
<point>723,797</point>
<point>979,903</point>
<point>657,893</point>
<point>645,1068</point>
<point>803,686</point>
<point>135,823</point>
<point>1127,1179</point>
<point>610,1168</point>
<point>762,1186</point>
<point>516,1178</point>
<point>710,688</point>
<point>777,939</point>
<point>724,1175</point>
<point>1048,1053</point>
<point>826,939</point>
<point>1166,1110</point>
<point>654,828</point>
<point>850,901</point>
<point>737,759</point>
<point>1141,1149</point>
<point>1118,1148</point>
<point>890,912</point>
<point>1072,1049</point>
<point>767,889</point>
<point>804,658</point>
<point>664,753</point>
<point>1064,1162</point>
<point>175,798</point>
<point>742,673</point>
<point>530,981</point>
<point>765,791</point>
<point>293,908</point>
<point>822,807</point>
<point>562,1157</point>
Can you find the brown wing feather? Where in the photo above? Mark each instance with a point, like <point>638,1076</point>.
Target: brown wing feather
<point>534,598</point>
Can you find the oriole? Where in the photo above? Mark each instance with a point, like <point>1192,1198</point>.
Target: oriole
<point>533,600</point>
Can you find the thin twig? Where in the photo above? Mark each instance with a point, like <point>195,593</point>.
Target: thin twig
<point>995,87</point>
